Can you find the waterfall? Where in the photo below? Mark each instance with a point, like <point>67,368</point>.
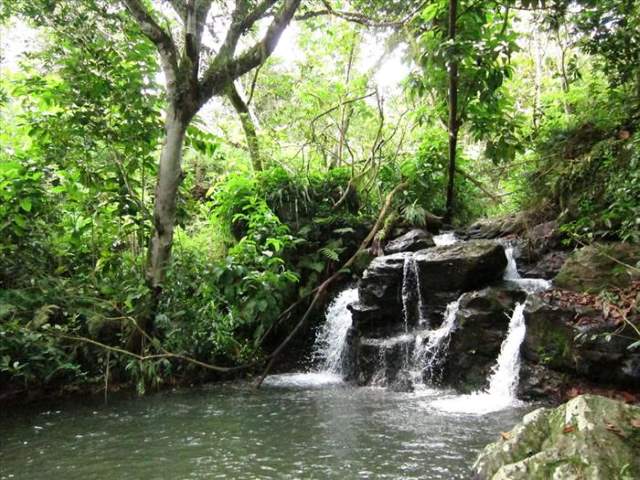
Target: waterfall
<point>431,347</point>
<point>412,301</point>
<point>331,340</point>
<point>529,285</point>
<point>506,373</point>
<point>511,272</point>
<point>503,382</point>
<point>328,349</point>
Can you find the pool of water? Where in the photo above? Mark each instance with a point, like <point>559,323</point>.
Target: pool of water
<point>294,427</point>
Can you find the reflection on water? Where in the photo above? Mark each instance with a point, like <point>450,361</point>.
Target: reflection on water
<point>286,430</point>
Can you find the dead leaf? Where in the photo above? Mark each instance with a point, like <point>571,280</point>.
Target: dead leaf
<point>568,429</point>
<point>615,429</point>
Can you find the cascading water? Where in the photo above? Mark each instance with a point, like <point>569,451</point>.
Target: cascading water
<point>412,302</point>
<point>431,347</point>
<point>503,382</point>
<point>511,274</point>
<point>328,350</point>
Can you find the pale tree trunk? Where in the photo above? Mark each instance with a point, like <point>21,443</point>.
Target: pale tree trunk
<point>164,212</point>
<point>190,84</point>
<point>453,113</point>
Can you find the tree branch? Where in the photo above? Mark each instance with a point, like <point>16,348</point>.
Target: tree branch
<point>160,38</point>
<point>224,68</point>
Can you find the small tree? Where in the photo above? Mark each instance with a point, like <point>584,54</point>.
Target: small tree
<point>463,49</point>
<point>192,78</point>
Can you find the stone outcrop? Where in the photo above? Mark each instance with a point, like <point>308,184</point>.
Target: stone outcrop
<point>412,241</point>
<point>546,267</point>
<point>600,266</point>
<point>489,228</point>
<point>587,438</point>
<point>442,274</point>
<point>461,266</point>
<point>576,340</point>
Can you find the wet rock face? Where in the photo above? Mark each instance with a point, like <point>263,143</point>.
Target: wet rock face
<point>460,267</point>
<point>593,349</point>
<point>412,241</point>
<point>589,437</point>
<point>381,361</point>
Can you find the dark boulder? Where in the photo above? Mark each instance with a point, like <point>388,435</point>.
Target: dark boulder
<point>482,323</point>
<point>461,266</point>
<point>496,227</point>
<point>547,267</point>
<point>578,341</point>
<point>381,280</point>
<point>413,240</point>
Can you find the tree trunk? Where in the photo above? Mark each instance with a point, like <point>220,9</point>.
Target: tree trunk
<point>164,213</point>
<point>247,125</point>
<point>453,111</point>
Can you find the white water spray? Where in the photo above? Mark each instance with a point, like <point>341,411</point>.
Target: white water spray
<point>432,345</point>
<point>503,383</point>
<point>330,343</point>
<point>445,238</point>
<point>511,274</point>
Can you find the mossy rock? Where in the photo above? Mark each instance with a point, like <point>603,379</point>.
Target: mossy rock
<point>599,267</point>
<point>589,437</point>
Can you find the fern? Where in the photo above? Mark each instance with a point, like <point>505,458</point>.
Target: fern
<point>330,253</point>
<point>415,214</point>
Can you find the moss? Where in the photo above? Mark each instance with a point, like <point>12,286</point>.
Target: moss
<point>597,267</point>
<point>588,437</point>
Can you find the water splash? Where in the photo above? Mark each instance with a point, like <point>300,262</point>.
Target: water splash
<point>506,375</point>
<point>431,347</point>
<point>328,350</point>
<point>504,380</point>
<point>445,238</point>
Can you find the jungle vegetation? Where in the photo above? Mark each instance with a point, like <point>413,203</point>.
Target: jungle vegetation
<point>176,174</point>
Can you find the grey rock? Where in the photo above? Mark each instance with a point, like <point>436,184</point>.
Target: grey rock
<point>413,240</point>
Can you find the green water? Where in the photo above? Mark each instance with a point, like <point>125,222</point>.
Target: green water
<point>231,431</point>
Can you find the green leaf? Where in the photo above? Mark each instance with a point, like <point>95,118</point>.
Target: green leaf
<point>26,204</point>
